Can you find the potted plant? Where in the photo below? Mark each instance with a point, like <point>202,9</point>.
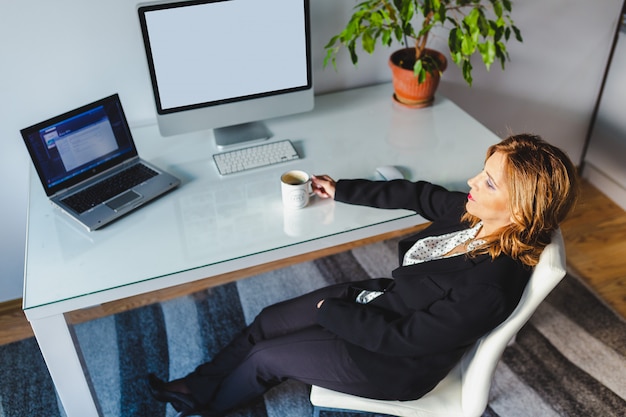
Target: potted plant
<point>475,27</point>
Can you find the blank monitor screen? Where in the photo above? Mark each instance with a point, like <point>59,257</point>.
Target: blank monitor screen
<point>204,54</point>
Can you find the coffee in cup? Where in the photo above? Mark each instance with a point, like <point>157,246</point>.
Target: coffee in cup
<point>296,188</point>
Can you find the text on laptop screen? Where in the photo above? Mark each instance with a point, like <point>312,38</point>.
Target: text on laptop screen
<point>71,146</point>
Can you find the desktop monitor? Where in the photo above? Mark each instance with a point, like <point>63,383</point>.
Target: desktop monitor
<point>227,65</point>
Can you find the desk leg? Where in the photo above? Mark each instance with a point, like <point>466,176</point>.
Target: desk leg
<point>61,354</point>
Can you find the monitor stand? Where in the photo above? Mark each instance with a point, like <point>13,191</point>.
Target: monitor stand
<point>228,136</point>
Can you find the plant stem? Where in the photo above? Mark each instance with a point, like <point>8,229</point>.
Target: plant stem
<point>420,42</point>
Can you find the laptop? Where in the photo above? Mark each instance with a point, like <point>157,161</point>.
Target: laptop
<point>88,164</point>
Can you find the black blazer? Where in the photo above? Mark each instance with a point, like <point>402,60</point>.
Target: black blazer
<point>431,312</point>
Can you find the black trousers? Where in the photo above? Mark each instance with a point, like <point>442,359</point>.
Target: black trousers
<point>284,342</point>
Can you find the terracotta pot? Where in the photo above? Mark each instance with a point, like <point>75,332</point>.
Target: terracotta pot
<point>407,89</point>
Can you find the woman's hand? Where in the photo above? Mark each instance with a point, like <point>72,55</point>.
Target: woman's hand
<point>323,186</point>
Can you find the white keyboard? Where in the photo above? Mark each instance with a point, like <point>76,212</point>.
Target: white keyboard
<point>255,157</point>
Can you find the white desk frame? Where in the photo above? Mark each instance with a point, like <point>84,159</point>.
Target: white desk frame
<point>212,225</point>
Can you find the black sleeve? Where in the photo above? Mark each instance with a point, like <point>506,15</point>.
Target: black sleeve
<point>429,200</point>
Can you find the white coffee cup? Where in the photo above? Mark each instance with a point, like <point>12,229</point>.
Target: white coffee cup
<point>296,189</point>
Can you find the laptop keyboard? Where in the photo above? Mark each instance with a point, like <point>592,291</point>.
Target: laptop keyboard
<point>109,188</point>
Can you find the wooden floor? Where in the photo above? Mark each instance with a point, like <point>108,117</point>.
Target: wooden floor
<point>595,242</point>
<point>594,238</point>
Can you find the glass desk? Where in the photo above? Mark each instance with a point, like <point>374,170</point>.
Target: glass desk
<point>212,225</point>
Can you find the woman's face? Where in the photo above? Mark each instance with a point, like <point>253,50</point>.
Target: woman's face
<point>489,195</point>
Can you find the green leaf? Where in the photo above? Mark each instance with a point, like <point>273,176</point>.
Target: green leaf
<point>453,38</point>
<point>454,44</point>
<point>421,77</point>
<point>398,33</point>
<point>353,56</point>
<point>501,53</point>
<point>436,8</point>
<point>457,57</point>
<point>368,42</point>
<point>330,55</point>
<point>386,37</point>
<point>351,29</point>
<point>418,67</point>
<point>497,8</point>
<point>439,16</point>
<point>407,11</point>
<point>472,18</point>
<point>488,53</point>
<point>518,34</point>
<point>483,25</point>
<point>498,32</point>
<point>467,72</point>
<point>427,7</point>
<point>467,45</point>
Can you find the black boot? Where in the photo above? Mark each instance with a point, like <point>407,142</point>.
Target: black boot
<point>175,393</point>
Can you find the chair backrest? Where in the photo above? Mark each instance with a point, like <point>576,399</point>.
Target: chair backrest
<point>479,364</point>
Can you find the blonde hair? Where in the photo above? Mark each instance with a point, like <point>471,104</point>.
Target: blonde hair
<point>543,189</point>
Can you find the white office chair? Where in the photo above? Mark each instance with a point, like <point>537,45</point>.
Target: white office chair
<point>465,391</point>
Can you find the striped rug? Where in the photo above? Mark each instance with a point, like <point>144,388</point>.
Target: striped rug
<point>569,360</point>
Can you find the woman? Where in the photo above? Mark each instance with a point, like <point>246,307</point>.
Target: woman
<point>397,338</point>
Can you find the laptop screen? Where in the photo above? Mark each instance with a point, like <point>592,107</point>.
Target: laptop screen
<point>72,147</point>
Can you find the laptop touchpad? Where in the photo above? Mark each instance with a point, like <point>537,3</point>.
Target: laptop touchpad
<point>122,200</point>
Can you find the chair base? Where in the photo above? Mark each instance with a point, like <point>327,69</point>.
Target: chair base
<point>317,410</point>
<point>443,401</point>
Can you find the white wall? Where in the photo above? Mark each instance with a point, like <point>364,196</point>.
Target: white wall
<point>552,82</point>
<point>57,55</point>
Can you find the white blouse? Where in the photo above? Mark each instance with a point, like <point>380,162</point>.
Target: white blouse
<point>435,247</point>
